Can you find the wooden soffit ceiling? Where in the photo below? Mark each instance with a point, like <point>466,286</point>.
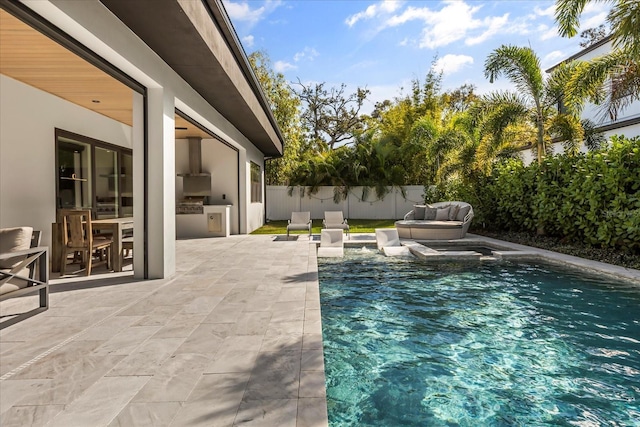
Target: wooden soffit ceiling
<point>32,58</point>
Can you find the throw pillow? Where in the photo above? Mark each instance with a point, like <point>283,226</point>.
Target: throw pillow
<point>462,213</point>
<point>418,211</point>
<point>430,213</point>
<point>443,214</point>
<point>453,212</point>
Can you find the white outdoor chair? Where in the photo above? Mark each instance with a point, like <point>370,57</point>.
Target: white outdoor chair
<point>334,219</point>
<point>299,221</point>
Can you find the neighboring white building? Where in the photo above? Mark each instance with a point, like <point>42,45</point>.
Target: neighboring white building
<point>99,99</point>
<point>628,121</point>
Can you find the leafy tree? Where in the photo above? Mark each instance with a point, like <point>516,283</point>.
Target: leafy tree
<point>620,67</point>
<point>536,99</point>
<point>591,36</point>
<point>285,107</point>
<point>331,116</point>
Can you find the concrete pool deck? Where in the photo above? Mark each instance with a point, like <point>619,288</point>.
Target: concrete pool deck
<point>234,338</point>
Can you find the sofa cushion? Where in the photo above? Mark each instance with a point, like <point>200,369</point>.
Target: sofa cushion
<point>443,214</point>
<point>430,213</point>
<point>429,224</point>
<point>453,212</point>
<point>418,211</point>
<point>12,240</point>
<point>462,213</point>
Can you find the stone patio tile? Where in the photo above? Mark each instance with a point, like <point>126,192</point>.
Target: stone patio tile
<point>126,341</point>
<point>242,361</point>
<point>147,358</point>
<point>109,328</point>
<point>312,384</point>
<point>101,403</point>
<point>312,360</point>
<point>206,339</point>
<point>214,401</point>
<point>20,416</point>
<point>225,313</point>
<point>182,325</point>
<point>312,341</point>
<point>174,380</point>
<point>70,384</point>
<point>267,413</point>
<point>64,359</point>
<point>152,414</point>
<point>223,338</point>
<point>202,305</point>
<point>252,323</point>
<point>159,316</point>
<point>312,412</point>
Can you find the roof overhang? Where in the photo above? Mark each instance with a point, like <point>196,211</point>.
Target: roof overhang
<point>196,39</point>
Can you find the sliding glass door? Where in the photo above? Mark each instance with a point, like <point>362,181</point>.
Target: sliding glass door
<point>93,175</point>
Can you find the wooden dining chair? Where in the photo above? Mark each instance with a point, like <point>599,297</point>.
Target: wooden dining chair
<point>77,236</point>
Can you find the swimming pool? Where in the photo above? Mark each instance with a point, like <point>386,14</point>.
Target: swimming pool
<point>408,343</point>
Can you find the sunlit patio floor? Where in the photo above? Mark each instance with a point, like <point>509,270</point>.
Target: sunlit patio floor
<point>234,338</point>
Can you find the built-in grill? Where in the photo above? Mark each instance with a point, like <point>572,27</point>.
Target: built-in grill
<point>196,185</point>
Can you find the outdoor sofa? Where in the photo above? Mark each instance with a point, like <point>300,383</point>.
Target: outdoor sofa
<point>24,266</point>
<point>444,221</point>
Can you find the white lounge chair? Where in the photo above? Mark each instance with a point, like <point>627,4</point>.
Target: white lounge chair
<point>299,221</point>
<point>334,219</point>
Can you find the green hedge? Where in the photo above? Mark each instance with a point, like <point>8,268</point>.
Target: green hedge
<point>593,197</point>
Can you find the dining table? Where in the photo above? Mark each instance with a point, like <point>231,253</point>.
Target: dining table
<point>114,225</point>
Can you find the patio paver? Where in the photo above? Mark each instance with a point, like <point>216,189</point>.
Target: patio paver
<point>234,338</point>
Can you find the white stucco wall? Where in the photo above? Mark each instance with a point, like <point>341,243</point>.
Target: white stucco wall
<point>94,26</point>
<point>29,117</point>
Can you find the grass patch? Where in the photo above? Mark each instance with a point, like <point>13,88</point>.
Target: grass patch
<point>355,226</point>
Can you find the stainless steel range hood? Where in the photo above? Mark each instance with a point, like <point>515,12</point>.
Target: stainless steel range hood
<point>195,183</point>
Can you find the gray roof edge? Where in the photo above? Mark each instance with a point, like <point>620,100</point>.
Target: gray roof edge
<point>219,13</point>
<point>582,52</point>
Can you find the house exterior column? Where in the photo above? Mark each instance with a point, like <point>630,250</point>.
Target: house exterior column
<point>161,225</point>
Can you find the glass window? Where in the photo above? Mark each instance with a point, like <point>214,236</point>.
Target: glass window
<point>256,183</point>
<point>107,184</point>
<point>93,175</point>
<point>74,175</point>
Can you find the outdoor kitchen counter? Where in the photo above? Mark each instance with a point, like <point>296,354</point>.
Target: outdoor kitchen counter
<point>215,221</point>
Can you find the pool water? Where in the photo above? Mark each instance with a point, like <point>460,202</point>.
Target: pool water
<point>488,344</point>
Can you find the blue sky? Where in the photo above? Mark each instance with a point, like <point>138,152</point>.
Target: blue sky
<point>383,45</point>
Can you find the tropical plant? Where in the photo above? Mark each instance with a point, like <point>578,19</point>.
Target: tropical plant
<point>536,99</point>
<point>611,80</point>
<point>285,106</point>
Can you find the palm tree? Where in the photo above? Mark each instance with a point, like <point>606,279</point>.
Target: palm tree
<point>536,99</point>
<point>620,66</point>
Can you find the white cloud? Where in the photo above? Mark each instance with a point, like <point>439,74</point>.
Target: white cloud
<point>593,21</point>
<point>242,12</point>
<point>282,66</point>
<point>248,40</point>
<point>553,58</point>
<point>456,20</point>
<point>451,63</point>
<point>548,33</point>
<point>374,10</point>
<point>548,12</point>
<point>494,25</point>
<point>308,53</point>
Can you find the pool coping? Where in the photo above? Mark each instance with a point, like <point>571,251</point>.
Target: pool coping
<point>515,251</point>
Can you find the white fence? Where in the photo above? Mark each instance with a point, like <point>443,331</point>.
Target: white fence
<point>392,206</point>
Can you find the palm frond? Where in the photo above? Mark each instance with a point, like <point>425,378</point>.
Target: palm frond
<point>520,65</point>
<point>568,16</point>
